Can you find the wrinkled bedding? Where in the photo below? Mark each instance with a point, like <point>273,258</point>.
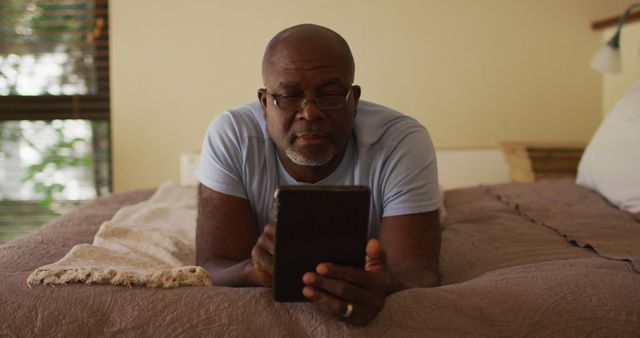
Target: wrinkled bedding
<point>542,259</point>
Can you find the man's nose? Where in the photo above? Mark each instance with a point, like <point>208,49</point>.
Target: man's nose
<point>310,111</point>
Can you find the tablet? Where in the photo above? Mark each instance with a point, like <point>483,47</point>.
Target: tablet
<point>316,224</point>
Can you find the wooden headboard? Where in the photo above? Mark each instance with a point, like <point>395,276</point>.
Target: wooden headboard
<point>613,21</point>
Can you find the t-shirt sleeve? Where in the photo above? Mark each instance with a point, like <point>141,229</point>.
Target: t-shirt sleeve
<point>220,166</point>
<point>411,176</point>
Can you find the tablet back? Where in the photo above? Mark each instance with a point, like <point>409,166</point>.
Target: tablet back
<point>316,224</point>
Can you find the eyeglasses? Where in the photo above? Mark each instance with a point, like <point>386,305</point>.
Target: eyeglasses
<point>297,103</point>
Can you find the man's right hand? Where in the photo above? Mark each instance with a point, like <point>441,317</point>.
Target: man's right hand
<point>262,255</point>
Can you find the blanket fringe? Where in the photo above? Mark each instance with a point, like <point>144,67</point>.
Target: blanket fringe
<point>167,278</point>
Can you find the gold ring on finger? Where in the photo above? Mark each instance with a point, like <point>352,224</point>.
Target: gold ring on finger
<point>347,313</point>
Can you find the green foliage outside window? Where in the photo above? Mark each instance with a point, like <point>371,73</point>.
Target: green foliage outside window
<point>32,34</point>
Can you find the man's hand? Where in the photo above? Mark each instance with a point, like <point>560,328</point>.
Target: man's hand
<point>336,288</point>
<point>262,255</point>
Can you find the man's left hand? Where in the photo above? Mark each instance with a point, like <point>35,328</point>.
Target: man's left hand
<point>353,294</point>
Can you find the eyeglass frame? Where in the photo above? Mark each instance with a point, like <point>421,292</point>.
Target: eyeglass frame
<point>305,101</point>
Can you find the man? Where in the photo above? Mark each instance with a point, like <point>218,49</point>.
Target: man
<point>309,127</point>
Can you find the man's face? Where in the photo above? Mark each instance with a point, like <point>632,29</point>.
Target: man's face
<point>310,136</point>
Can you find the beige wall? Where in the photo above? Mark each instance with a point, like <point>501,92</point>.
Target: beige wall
<point>474,72</point>
<point>615,85</point>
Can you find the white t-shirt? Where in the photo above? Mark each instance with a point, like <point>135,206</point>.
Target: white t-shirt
<point>389,152</point>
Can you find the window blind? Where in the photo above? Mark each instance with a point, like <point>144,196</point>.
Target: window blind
<point>61,47</point>
<point>54,66</point>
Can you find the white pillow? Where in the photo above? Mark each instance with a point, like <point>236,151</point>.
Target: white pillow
<point>610,164</point>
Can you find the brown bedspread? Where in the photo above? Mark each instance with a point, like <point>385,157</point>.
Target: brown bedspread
<point>543,259</point>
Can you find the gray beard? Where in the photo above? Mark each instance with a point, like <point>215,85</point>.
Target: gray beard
<point>302,160</point>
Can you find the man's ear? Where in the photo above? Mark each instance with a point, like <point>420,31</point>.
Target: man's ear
<point>262,97</point>
<point>356,98</point>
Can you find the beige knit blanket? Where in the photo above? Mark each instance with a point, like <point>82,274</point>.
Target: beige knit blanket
<point>150,244</point>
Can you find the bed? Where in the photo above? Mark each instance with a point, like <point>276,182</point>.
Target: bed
<point>541,259</point>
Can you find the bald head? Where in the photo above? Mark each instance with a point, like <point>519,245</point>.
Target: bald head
<point>307,46</point>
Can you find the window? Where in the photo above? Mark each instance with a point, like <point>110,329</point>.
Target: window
<point>54,109</point>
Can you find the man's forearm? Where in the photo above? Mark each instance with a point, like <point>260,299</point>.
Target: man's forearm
<point>224,272</point>
<point>413,278</point>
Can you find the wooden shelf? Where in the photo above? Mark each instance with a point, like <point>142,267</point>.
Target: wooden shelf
<point>532,161</point>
